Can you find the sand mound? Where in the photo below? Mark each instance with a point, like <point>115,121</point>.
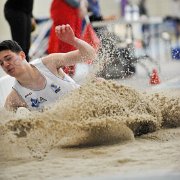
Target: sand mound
<point>96,113</point>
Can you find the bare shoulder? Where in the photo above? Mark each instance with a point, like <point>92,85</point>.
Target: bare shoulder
<point>13,101</point>
<point>53,62</point>
<point>53,59</point>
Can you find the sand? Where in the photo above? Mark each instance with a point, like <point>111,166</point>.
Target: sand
<point>102,128</point>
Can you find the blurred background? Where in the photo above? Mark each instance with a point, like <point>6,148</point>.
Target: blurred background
<point>108,7</point>
<point>138,36</point>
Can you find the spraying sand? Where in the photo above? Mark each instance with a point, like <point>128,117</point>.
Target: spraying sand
<point>98,113</point>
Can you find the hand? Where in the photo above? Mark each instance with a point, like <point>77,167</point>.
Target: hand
<point>65,33</point>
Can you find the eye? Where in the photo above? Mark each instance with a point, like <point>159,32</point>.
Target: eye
<point>8,58</point>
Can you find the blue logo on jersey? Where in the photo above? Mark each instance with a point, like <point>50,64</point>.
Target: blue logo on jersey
<point>55,88</point>
<point>35,102</point>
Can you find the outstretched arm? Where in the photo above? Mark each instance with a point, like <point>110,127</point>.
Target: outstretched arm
<point>83,53</point>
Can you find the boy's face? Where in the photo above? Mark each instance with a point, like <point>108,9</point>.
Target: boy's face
<point>10,62</point>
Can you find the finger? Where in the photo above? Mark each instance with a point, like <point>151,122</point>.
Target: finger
<point>68,27</point>
<point>57,30</point>
<point>63,28</point>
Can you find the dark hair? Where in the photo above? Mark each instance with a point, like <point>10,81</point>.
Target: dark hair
<point>10,45</point>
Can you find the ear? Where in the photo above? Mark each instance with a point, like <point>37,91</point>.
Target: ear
<point>22,55</point>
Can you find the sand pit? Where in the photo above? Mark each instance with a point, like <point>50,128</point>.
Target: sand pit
<point>103,120</point>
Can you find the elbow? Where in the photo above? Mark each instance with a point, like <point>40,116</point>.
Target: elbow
<point>93,54</point>
<point>89,55</point>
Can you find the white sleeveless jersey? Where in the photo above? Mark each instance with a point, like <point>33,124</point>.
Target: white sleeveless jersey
<point>55,88</point>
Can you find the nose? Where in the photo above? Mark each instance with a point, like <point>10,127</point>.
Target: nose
<point>6,63</point>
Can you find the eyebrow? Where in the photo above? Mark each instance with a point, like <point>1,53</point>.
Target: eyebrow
<point>5,57</point>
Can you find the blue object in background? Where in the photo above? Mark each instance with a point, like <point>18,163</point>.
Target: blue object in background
<point>94,7</point>
<point>176,53</point>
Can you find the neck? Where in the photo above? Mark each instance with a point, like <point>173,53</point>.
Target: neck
<point>31,78</point>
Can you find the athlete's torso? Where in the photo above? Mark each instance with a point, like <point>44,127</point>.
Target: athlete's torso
<point>55,88</point>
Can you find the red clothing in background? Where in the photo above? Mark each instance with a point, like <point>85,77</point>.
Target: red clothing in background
<point>62,13</point>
